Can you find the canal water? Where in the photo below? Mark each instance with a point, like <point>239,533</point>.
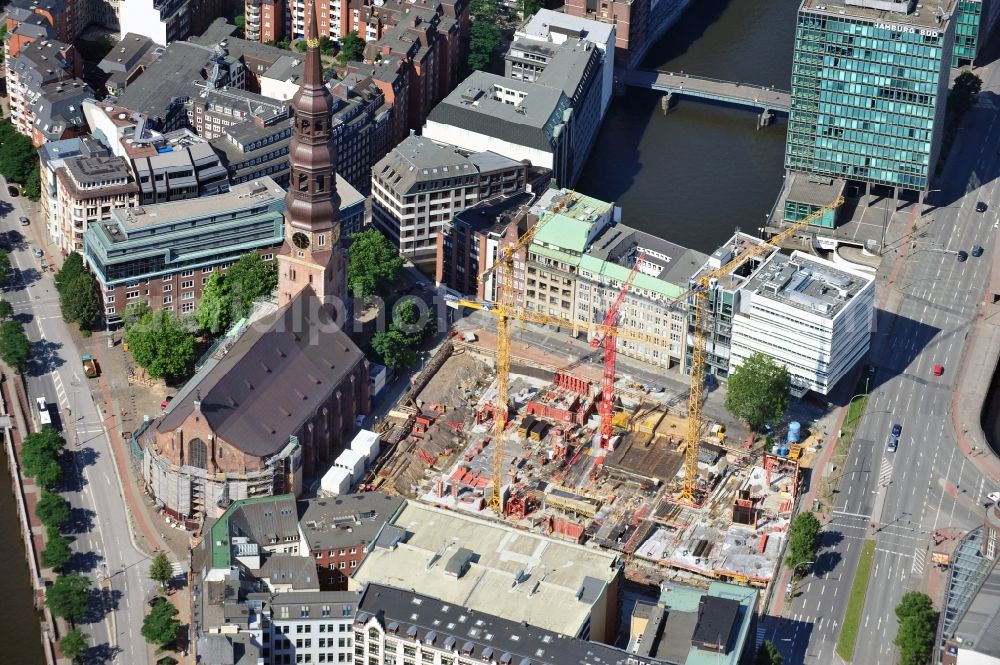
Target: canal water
<point>21,629</point>
<point>702,170</point>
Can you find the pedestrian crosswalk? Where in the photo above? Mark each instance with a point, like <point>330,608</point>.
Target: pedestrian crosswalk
<point>761,632</point>
<point>178,569</point>
<point>885,473</point>
<point>918,562</point>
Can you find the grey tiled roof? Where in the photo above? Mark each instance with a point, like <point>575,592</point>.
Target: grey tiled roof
<point>272,380</point>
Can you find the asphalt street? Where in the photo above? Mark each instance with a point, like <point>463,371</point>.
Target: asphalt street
<point>927,484</point>
<point>101,538</point>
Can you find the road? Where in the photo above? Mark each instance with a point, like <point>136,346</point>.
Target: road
<point>927,484</point>
<point>101,542</point>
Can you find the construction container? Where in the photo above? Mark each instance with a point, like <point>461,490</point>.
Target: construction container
<point>794,432</point>
<point>366,442</point>
<point>353,462</point>
<point>335,482</point>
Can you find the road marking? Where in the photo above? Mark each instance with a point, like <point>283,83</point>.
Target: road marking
<point>885,473</point>
<point>858,515</point>
<point>918,563</point>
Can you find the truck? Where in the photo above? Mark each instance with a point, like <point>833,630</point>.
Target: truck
<point>43,412</point>
<point>89,366</point>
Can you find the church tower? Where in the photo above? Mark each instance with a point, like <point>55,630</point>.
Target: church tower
<point>311,254</point>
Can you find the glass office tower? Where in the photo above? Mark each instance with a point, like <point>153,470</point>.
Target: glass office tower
<point>869,87</point>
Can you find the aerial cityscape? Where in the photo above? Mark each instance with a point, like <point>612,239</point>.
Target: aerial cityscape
<point>434,332</point>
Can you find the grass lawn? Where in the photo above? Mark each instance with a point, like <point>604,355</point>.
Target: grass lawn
<point>856,603</point>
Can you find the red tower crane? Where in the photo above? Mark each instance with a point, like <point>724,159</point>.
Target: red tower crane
<point>610,341</point>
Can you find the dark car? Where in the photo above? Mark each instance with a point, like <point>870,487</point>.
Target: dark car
<point>981,206</point>
<point>962,256</point>
<point>12,190</point>
<point>977,250</point>
<point>897,429</point>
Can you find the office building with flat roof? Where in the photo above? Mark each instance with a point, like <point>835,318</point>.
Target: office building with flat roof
<point>421,184</point>
<point>869,87</point>
<point>807,313</point>
<point>495,569</point>
<point>163,254</point>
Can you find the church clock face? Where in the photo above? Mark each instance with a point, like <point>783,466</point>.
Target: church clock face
<point>300,240</point>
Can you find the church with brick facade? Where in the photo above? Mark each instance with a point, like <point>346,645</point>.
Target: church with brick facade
<point>280,403</point>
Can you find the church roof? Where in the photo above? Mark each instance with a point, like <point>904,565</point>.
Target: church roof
<point>280,371</point>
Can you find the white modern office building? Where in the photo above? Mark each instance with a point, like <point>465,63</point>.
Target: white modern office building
<point>810,314</point>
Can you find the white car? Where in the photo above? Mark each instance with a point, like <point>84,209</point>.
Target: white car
<point>993,497</point>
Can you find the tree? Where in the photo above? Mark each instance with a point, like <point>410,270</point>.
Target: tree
<point>74,644</point>
<point>33,184</point>
<point>352,47</point>
<point>803,542</point>
<point>18,156</point>
<point>160,570</point>
<point>758,391</point>
<point>373,265</point>
<point>917,626</point>
<point>394,349</point>
<point>768,654</point>
<point>15,348</point>
<point>72,268</point>
<point>56,553</point>
<point>228,297</point>
<point>6,310</point>
<point>484,39</point>
<point>161,343</point>
<point>327,46</point>
<point>69,597</point>
<point>40,457</point>
<point>301,46</point>
<point>3,33</point>
<point>241,24</point>
<point>406,319</point>
<point>52,510</point>
<point>80,301</point>
<point>4,267</point>
<point>530,7</point>
<point>963,93</point>
<point>160,627</point>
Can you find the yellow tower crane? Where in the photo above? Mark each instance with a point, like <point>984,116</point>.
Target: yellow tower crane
<point>505,309</point>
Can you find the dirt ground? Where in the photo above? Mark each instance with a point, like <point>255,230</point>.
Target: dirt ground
<point>461,379</point>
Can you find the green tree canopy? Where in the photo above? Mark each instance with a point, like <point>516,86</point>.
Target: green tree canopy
<point>80,301</point>
<point>406,319</point>
<point>161,343</point>
<point>394,349</point>
<point>52,510</point>
<point>18,157</point>
<point>56,553</point>
<point>69,597</point>
<point>768,654</point>
<point>6,310</point>
<point>352,47</point>
<point>373,265</point>
<point>15,348</point>
<point>72,268</point>
<point>804,536</point>
<point>228,297</point>
<point>33,184</point>
<point>160,627</point>
<point>160,570</point>
<point>40,457</point>
<point>917,627</point>
<point>484,40</point>
<point>530,7</point>
<point>241,24</point>
<point>758,391</point>
<point>74,644</point>
<point>4,268</point>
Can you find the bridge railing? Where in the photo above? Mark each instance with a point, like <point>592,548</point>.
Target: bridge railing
<point>709,79</point>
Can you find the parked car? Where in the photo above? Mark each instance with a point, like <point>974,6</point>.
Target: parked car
<point>962,256</point>
<point>993,497</point>
<point>897,430</point>
<point>37,251</point>
<point>165,402</point>
<point>938,370</point>
<point>24,221</point>
<point>977,250</point>
<point>981,206</point>
<point>12,190</point>
<point>892,444</point>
